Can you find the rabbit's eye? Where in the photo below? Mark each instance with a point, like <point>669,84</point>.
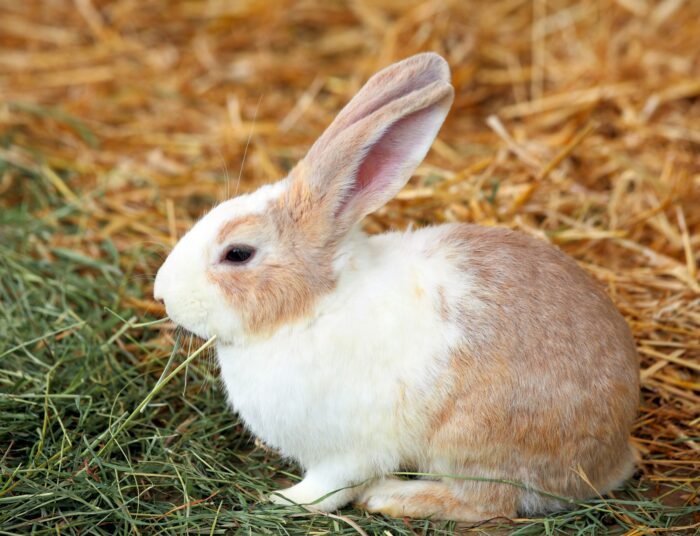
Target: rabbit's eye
<point>239,254</point>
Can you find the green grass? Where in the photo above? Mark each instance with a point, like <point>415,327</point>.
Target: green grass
<point>77,454</point>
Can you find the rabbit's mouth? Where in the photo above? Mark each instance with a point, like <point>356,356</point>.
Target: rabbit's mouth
<point>188,333</point>
<point>189,340</point>
<point>190,319</point>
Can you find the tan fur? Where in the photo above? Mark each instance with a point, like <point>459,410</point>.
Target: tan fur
<point>388,85</point>
<point>230,227</point>
<point>526,404</point>
<point>436,500</point>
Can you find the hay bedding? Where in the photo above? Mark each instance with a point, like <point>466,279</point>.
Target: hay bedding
<point>578,122</point>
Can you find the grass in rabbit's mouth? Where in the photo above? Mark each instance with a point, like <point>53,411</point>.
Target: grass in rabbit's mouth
<point>574,121</point>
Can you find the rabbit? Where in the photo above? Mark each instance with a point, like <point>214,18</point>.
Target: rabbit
<point>482,358</point>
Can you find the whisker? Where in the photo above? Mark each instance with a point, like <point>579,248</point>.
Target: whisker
<point>148,276</point>
<point>227,186</point>
<point>187,368</point>
<point>177,336</point>
<point>245,151</point>
<point>208,368</point>
<point>212,362</point>
<point>152,243</point>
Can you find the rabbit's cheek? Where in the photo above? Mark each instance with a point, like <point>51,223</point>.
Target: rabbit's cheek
<point>271,295</point>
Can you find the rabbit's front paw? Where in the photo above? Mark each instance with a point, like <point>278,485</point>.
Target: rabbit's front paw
<point>309,494</point>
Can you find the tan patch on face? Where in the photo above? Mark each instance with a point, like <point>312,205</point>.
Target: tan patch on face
<point>230,227</point>
<point>286,285</point>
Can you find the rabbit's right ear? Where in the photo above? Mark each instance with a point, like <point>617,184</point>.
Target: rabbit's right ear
<point>372,148</point>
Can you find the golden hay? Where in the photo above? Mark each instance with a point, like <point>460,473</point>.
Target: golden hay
<point>578,122</point>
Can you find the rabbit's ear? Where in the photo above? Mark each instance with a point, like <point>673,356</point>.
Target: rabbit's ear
<point>370,151</point>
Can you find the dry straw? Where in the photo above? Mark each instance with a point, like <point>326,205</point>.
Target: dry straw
<point>577,122</point>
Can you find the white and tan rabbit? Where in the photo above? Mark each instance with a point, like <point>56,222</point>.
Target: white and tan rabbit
<point>474,353</point>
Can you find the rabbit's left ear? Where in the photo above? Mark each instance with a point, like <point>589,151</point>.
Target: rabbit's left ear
<point>375,144</point>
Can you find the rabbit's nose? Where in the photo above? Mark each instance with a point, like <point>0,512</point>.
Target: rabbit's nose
<point>158,291</point>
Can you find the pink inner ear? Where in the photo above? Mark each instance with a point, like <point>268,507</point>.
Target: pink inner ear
<point>400,146</point>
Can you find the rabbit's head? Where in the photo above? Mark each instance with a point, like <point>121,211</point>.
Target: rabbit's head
<point>262,260</point>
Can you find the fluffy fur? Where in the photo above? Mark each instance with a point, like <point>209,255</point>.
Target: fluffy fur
<point>453,350</point>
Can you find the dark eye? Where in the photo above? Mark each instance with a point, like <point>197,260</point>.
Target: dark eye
<point>239,254</point>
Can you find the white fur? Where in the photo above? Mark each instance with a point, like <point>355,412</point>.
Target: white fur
<point>343,394</point>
